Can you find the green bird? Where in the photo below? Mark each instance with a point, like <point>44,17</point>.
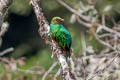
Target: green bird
<point>61,36</point>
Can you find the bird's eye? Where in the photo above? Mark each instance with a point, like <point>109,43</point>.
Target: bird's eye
<point>57,20</point>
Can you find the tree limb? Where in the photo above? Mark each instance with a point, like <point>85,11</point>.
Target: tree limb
<point>44,29</point>
<point>50,69</point>
<point>4,4</point>
<point>72,10</point>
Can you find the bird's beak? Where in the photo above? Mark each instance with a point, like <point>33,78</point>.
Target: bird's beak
<point>62,20</point>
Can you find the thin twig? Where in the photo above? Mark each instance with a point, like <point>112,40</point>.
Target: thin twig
<point>15,68</point>
<point>57,74</point>
<point>4,4</point>
<point>83,23</point>
<point>101,70</point>
<point>84,71</point>
<point>49,70</point>
<point>4,28</point>
<point>31,71</point>
<point>108,29</point>
<point>83,44</point>
<point>6,51</point>
<point>103,19</point>
<point>72,10</point>
<point>103,42</point>
<point>86,24</point>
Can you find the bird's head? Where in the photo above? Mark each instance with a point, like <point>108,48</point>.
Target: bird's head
<point>57,20</point>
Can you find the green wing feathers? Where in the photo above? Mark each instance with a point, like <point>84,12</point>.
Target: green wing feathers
<point>61,36</point>
<point>64,39</point>
<point>54,29</point>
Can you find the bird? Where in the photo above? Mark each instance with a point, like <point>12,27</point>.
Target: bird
<point>61,36</point>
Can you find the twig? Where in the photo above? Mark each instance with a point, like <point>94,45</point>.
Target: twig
<point>108,29</point>
<point>86,24</point>
<point>57,74</point>
<point>6,51</point>
<point>113,21</point>
<point>83,23</point>
<point>104,35</point>
<point>44,33</point>
<point>83,44</point>
<point>103,42</point>
<point>15,68</point>
<point>31,71</point>
<point>72,65</point>
<point>4,28</point>
<point>49,70</point>
<point>101,70</point>
<point>4,4</point>
<point>72,10</point>
<point>84,71</point>
<point>96,36</point>
<point>103,19</point>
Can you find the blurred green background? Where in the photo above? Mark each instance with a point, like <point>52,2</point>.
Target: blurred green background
<point>23,36</point>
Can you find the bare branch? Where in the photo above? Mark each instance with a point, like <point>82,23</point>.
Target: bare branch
<point>13,66</point>
<point>83,23</point>
<point>101,70</point>
<point>72,10</point>
<point>83,44</point>
<point>49,70</point>
<point>4,28</point>
<point>6,51</point>
<point>103,19</point>
<point>108,29</point>
<point>4,4</point>
<point>57,74</point>
<point>102,42</point>
<point>31,71</point>
<point>112,34</point>
<point>44,33</point>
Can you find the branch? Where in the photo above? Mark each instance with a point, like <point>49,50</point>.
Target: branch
<point>44,29</point>
<point>4,28</point>
<point>108,29</point>
<point>83,23</point>
<point>83,44</point>
<point>57,74</point>
<point>85,18</point>
<point>72,10</point>
<point>112,42</point>
<point>50,69</point>
<point>91,76</point>
<point>30,71</point>
<point>6,51</point>
<point>4,4</point>
<point>13,66</point>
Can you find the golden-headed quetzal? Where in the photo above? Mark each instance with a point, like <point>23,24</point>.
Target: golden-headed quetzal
<point>60,35</point>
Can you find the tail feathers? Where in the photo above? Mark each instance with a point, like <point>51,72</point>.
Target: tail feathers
<point>67,54</point>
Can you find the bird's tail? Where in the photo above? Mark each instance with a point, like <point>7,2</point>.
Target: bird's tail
<point>68,54</point>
